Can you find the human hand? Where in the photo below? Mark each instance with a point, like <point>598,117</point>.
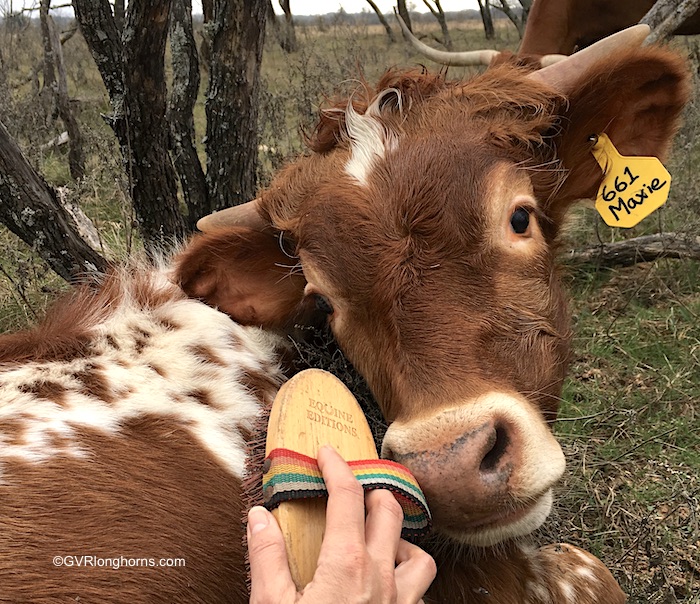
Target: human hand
<point>362,559</point>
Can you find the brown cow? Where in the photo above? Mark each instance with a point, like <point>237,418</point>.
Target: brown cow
<point>564,26</point>
<point>426,225</point>
<point>557,28</point>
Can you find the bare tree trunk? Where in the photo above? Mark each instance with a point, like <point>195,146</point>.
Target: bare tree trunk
<point>154,186</point>
<point>487,19</point>
<point>383,21</point>
<point>47,95</point>
<point>119,15</point>
<point>54,93</point>
<point>666,16</point>
<point>273,22</point>
<point>527,5</point>
<point>31,211</point>
<point>76,155</point>
<point>237,35</point>
<point>205,45</point>
<point>403,13</point>
<point>180,107</point>
<point>102,37</point>
<point>289,42</point>
<point>133,73</point>
<point>518,21</point>
<point>439,14</point>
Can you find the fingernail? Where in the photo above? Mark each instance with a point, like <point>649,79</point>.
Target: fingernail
<point>258,519</point>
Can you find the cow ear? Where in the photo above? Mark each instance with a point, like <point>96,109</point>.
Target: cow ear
<point>244,273</point>
<point>636,98</point>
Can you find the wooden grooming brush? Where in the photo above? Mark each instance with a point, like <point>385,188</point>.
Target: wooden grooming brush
<point>312,409</point>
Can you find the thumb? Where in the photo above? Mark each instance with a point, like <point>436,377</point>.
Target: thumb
<point>271,581</point>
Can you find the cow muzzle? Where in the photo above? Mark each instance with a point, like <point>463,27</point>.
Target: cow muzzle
<point>486,466</point>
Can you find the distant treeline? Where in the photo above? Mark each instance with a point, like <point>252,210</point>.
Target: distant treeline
<point>367,17</point>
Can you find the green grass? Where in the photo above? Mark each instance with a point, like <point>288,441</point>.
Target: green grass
<point>629,426</point>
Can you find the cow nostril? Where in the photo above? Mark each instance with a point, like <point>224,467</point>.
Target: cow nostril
<point>499,443</point>
<point>387,453</point>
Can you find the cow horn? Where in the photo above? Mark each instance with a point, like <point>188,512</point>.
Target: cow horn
<point>548,60</point>
<point>245,214</point>
<point>562,74</point>
<point>471,57</point>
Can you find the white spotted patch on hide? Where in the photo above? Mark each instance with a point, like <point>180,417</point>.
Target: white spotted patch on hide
<point>586,558</point>
<point>587,575</point>
<point>370,138</point>
<point>568,592</point>
<point>537,593</point>
<point>180,360</point>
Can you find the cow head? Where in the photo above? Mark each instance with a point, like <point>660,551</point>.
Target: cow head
<point>424,228</point>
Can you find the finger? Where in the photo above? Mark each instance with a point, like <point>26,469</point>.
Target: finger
<point>345,512</point>
<point>414,573</point>
<point>269,569</point>
<point>383,527</point>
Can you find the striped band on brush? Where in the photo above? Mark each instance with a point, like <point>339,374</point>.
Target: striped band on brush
<point>291,475</point>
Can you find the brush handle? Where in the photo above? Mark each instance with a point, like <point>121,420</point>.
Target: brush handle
<point>303,524</point>
<point>314,408</point>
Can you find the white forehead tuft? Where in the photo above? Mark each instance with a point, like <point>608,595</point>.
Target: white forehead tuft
<point>370,138</point>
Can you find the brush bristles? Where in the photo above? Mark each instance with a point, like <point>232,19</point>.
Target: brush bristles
<point>252,482</point>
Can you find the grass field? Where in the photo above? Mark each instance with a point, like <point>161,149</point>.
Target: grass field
<point>630,419</point>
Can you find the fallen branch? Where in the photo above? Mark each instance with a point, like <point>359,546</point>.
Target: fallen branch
<point>639,249</point>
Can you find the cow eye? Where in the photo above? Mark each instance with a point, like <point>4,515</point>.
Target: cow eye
<point>323,305</point>
<point>520,221</point>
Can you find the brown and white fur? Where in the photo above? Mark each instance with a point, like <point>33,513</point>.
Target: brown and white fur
<point>124,419</point>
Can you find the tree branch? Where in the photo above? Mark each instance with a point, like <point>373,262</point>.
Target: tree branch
<point>666,16</point>
<point>132,70</point>
<point>403,12</point>
<point>180,106</point>
<point>31,211</point>
<point>430,6</point>
<point>76,156</point>
<point>382,20</point>
<point>639,249</point>
<point>100,32</point>
<point>508,11</point>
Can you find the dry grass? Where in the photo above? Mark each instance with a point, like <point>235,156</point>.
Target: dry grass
<point>629,422</point>
<point>629,428</point>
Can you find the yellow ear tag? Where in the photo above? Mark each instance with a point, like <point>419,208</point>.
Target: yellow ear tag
<point>632,188</point>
